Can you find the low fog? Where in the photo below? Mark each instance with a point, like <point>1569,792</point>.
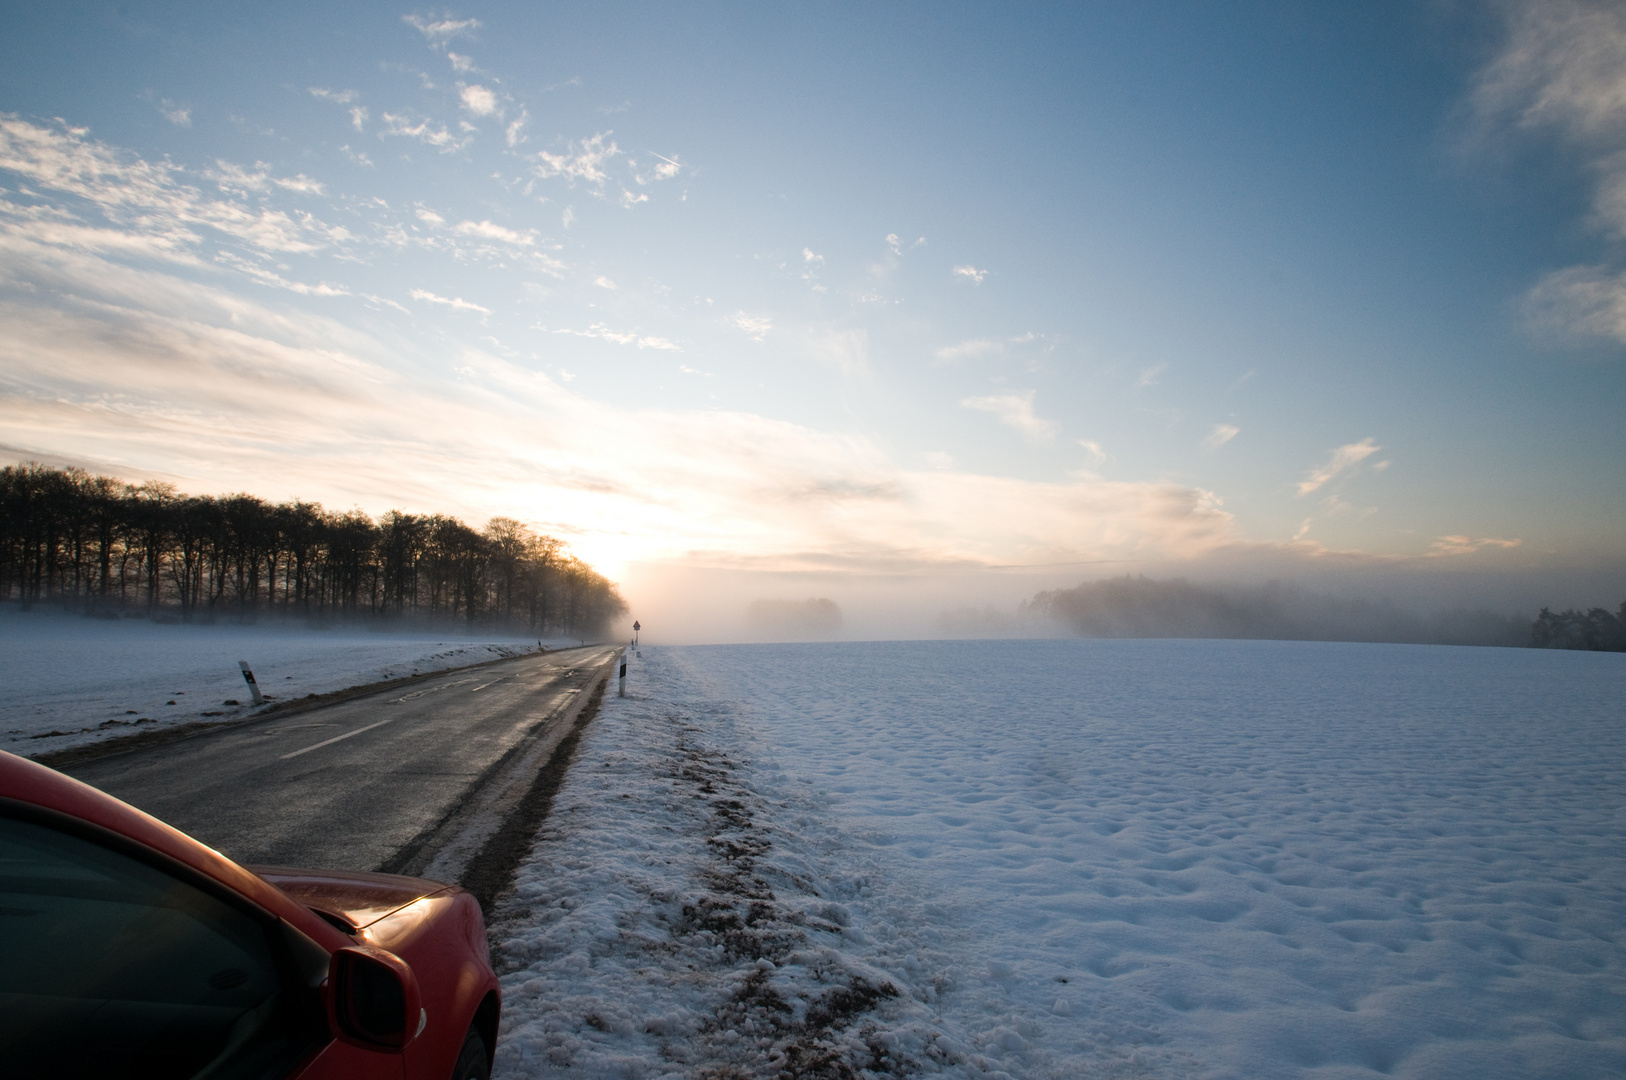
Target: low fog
<point>1286,600</point>
<point>816,618</point>
<point>1143,608</point>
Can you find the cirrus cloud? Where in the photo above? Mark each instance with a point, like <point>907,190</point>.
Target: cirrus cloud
<point>1562,70</point>
<point>1343,459</point>
<point>1015,410</point>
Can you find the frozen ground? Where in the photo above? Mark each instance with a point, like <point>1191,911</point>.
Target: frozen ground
<point>69,680</point>
<point>1093,858</point>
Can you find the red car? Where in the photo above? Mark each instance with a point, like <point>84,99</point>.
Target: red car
<point>128,949</point>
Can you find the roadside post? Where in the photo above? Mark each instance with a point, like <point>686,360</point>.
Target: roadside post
<point>253,687</point>
<point>635,628</point>
<point>621,687</point>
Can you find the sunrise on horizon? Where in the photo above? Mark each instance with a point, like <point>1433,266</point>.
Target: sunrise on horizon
<point>842,292</point>
<point>813,541</point>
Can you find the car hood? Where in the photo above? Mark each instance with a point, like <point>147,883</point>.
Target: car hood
<point>355,898</point>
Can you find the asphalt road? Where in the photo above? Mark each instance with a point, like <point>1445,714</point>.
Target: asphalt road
<point>353,784</point>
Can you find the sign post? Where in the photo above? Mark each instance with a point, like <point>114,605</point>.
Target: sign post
<point>253,687</point>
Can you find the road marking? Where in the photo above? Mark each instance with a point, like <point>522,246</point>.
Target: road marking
<point>337,738</point>
<point>381,723</point>
<point>434,689</point>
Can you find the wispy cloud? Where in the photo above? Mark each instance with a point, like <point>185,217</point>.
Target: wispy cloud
<point>152,206</point>
<point>300,183</point>
<point>179,115</point>
<point>486,230</point>
<point>425,131</point>
<point>970,273</point>
<point>484,239</point>
<point>1562,69</point>
<point>439,31</point>
<point>1222,434</point>
<point>665,168</point>
<point>621,337</point>
<point>896,243</point>
<point>603,282</point>
<point>1151,376</point>
<point>1578,303</point>
<point>1016,410</point>
<point>845,350</point>
<point>1096,455</point>
<point>454,302</point>
<point>514,133</point>
<point>1467,545</point>
<point>583,161</point>
<point>339,97</point>
<point>969,350</point>
<point>1343,459</point>
<point>755,326</point>
<point>266,276</point>
<point>231,177</point>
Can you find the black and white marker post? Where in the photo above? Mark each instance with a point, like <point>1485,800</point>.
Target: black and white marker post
<point>621,688</point>
<point>253,687</point>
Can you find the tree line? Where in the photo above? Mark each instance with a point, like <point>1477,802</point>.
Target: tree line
<point>1597,630</point>
<point>99,545</point>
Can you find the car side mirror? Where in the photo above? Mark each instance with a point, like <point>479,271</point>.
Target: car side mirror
<point>373,999</point>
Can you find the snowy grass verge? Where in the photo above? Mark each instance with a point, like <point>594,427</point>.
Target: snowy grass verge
<point>691,910</point>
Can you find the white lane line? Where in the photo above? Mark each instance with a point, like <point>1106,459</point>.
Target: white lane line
<point>337,738</point>
<point>433,689</point>
<point>381,723</point>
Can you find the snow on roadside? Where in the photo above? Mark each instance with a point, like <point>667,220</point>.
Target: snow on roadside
<point>69,680</point>
<point>1239,860</point>
<point>690,910</point>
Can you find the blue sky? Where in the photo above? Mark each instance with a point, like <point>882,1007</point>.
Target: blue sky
<point>837,288</point>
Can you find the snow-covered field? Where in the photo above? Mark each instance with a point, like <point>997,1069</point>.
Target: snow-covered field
<point>88,679</point>
<point>1083,858</point>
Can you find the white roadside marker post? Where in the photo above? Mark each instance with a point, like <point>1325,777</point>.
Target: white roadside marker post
<point>253,687</point>
<point>621,688</point>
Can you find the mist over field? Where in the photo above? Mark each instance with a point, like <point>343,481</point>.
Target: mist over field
<point>1138,607</point>
<point>1253,598</point>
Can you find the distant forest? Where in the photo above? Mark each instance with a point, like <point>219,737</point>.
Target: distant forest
<point>100,546</point>
<point>1595,630</point>
<point>1141,607</point>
